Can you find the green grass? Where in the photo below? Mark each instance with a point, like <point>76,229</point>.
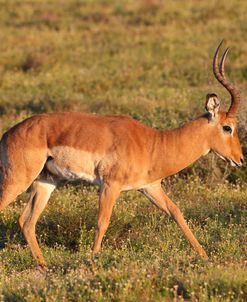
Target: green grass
<point>151,60</point>
<point>144,255</point>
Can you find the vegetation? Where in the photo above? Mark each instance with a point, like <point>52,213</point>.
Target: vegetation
<point>152,60</point>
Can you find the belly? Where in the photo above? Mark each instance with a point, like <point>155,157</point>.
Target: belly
<point>72,164</point>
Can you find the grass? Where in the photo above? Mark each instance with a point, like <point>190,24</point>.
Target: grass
<point>144,254</point>
<point>151,60</point>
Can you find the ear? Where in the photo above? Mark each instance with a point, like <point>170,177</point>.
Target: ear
<point>212,104</point>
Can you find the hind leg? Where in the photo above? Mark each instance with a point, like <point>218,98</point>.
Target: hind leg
<point>18,171</point>
<point>9,190</point>
<point>7,198</point>
<point>39,197</point>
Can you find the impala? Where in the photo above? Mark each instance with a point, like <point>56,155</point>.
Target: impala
<point>117,153</point>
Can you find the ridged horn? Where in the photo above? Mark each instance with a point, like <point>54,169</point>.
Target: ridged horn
<point>219,72</point>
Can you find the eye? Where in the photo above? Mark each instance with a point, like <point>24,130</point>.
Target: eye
<point>227,129</point>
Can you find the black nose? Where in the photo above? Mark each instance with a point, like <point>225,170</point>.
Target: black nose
<point>241,160</point>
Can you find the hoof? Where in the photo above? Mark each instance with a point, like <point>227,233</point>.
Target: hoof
<point>94,257</point>
<point>93,262</point>
<point>42,270</point>
<point>203,254</point>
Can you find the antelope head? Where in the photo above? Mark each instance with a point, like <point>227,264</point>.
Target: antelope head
<point>224,140</point>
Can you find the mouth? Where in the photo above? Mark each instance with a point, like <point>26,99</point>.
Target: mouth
<point>232,162</point>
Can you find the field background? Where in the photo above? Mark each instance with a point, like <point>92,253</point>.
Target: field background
<point>151,60</point>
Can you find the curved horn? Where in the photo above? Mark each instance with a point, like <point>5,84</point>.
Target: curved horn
<point>219,72</point>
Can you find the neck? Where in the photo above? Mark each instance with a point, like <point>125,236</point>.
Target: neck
<point>181,147</point>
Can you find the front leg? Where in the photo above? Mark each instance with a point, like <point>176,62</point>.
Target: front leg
<point>157,196</point>
<point>108,195</point>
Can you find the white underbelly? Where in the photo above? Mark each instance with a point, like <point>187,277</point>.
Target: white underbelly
<point>72,164</point>
<point>65,173</point>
